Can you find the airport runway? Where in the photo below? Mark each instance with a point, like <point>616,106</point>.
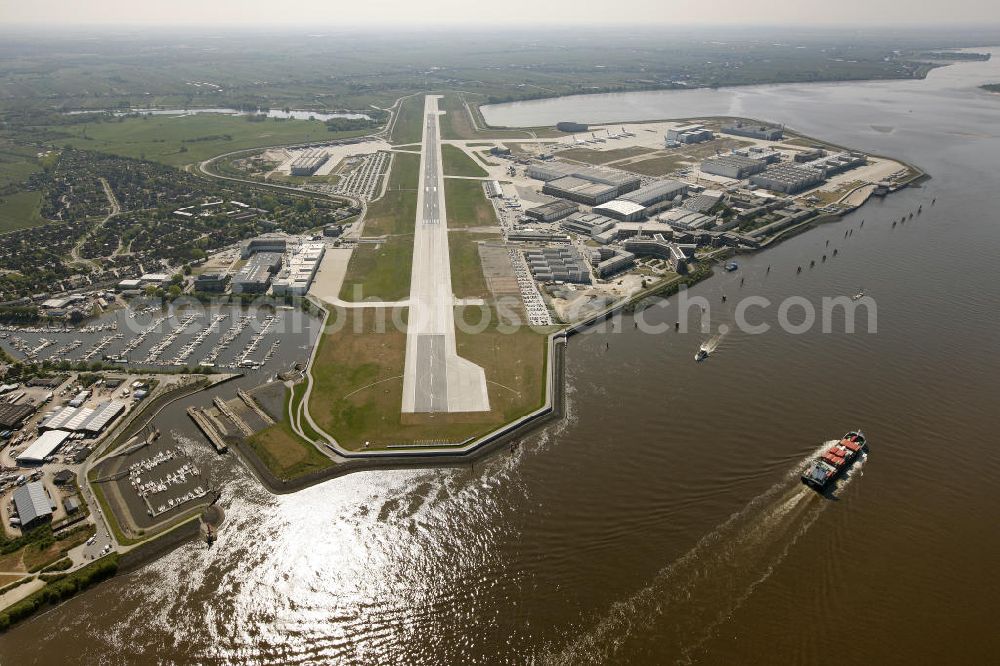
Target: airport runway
<point>435,377</point>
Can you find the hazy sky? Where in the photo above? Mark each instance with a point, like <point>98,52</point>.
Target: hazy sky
<point>218,13</point>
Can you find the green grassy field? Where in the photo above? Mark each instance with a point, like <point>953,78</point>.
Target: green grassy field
<point>458,163</point>
<point>379,270</point>
<point>383,270</point>
<point>467,205</point>
<point>357,394</point>
<point>20,210</point>
<point>396,211</point>
<point>602,156</point>
<point>187,139</point>
<point>284,452</point>
<point>467,279</point>
<point>409,123</point>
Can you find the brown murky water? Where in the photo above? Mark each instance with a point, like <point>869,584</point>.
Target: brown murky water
<point>662,521</point>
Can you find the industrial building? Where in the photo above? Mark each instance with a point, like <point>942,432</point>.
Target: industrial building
<point>33,505</point>
<point>755,131</point>
<point>638,204</point>
<point>689,134</point>
<point>787,178</point>
<point>552,211</point>
<point>255,276</point>
<point>587,224</point>
<point>47,443</point>
<point>704,202</point>
<point>620,209</point>
<point>535,236</point>
<point>12,416</point>
<point>736,167</point>
<point>308,162</point>
<point>656,192</point>
<point>557,264</point>
<point>686,220</point>
<point>809,155</point>
<point>586,185</point>
<point>298,273</point>
<point>582,190</point>
<point>766,155</point>
<point>266,243</point>
<point>211,282</point>
<point>838,163</point>
<point>84,419</point>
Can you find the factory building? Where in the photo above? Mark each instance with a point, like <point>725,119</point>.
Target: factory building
<point>91,420</point>
<point>809,155</point>
<point>736,167</point>
<point>586,185</point>
<point>754,131</point>
<point>33,505</point>
<point>787,178</point>
<point>577,189</point>
<point>562,264</point>
<point>620,209</point>
<point>656,192</point>
<point>297,275</point>
<point>839,163</point>
<point>308,162</point>
<point>638,204</point>
<point>688,134</point>
<point>535,236</point>
<point>12,416</point>
<point>586,224</point>
<point>686,220</point>
<point>766,155</point>
<point>703,202</point>
<point>43,447</point>
<point>552,211</point>
<point>266,243</point>
<point>255,276</point>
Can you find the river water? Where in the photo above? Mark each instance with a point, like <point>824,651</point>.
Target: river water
<point>662,520</point>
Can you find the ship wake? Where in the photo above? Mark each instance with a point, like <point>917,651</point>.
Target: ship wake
<point>690,598</point>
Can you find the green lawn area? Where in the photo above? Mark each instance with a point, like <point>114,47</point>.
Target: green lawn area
<point>357,394</point>
<point>409,123</point>
<point>20,210</point>
<point>468,208</point>
<point>383,270</point>
<point>458,163</point>
<point>657,166</point>
<point>467,205</point>
<point>379,270</point>
<point>603,156</point>
<point>396,211</point>
<point>178,140</point>
<point>284,452</point>
<point>467,279</point>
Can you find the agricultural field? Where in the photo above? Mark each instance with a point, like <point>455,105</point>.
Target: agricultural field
<point>179,140</point>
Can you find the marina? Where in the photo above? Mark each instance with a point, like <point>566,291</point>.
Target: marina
<point>224,338</point>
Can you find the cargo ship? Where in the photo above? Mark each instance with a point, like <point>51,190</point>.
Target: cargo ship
<point>834,461</point>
